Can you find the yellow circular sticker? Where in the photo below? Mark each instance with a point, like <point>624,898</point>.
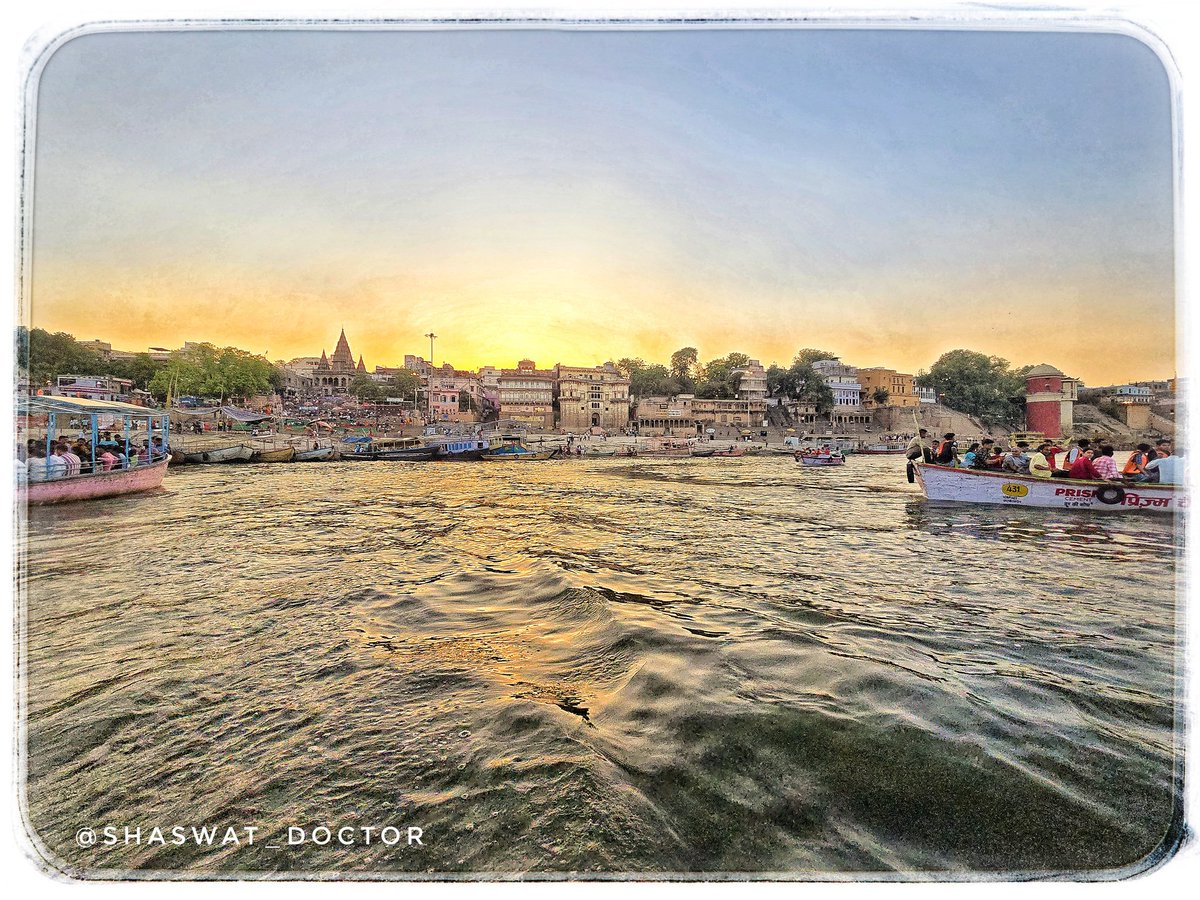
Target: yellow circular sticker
<point>1012,489</point>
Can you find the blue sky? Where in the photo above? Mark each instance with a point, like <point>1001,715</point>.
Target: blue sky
<point>582,195</point>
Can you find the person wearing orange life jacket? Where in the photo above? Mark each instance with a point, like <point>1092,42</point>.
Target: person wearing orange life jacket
<point>947,451</point>
<point>1135,468</point>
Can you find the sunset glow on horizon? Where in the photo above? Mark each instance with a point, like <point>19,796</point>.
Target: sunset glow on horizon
<point>580,196</point>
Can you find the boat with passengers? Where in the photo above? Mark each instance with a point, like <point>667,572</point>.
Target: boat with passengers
<point>950,484</point>
<point>108,467</point>
<point>513,449</point>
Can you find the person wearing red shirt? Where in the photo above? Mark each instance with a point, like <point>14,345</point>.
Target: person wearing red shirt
<point>1082,468</point>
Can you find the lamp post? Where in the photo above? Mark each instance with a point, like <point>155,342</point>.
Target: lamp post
<point>429,390</point>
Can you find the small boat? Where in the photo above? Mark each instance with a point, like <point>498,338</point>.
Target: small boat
<point>673,448</point>
<point>513,450</point>
<point>703,452</point>
<point>819,458</point>
<point>279,454</point>
<point>389,449</point>
<point>954,485</point>
<point>237,453</point>
<point>600,451</point>
<point>144,475</point>
<point>881,449</point>
<point>731,452</point>
<point>316,455</point>
<point>459,449</point>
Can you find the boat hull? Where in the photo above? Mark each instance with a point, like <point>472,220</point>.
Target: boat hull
<point>531,456</point>
<point>145,477</point>
<point>416,454</point>
<point>821,460</point>
<point>945,484</point>
<point>286,454</point>
<point>318,455</point>
<point>239,453</point>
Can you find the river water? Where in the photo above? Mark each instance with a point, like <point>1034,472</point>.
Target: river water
<point>597,666</point>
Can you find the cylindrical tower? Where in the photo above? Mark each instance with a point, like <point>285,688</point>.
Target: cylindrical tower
<point>1043,401</point>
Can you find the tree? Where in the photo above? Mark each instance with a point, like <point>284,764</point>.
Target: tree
<point>978,385</point>
<point>809,356</point>
<point>366,388</point>
<point>880,396</point>
<point>720,378</point>
<point>139,369</point>
<point>800,382</point>
<point>683,362</point>
<point>204,370</point>
<point>653,381</point>
<point>46,356</point>
<point>627,366</point>
<point>404,384</point>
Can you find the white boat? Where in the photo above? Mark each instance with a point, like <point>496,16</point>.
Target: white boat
<point>812,458</point>
<point>315,455</point>
<point>955,485</point>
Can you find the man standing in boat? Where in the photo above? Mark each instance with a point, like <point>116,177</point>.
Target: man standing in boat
<point>918,448</point>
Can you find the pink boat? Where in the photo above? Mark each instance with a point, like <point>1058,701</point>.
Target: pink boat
<point>145,477</point>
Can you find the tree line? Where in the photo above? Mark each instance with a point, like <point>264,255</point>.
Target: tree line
<point>977,384</point>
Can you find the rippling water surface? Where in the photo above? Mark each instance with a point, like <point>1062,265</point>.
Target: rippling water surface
<point>650,666</point>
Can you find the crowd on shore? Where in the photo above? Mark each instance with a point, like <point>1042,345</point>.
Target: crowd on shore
<point>1080,459</point>
<point>46,459</point>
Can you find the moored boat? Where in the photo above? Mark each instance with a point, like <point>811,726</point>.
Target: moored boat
<point>954,485</point>
<point>884,449</point>
<point>236,453</point>
<point>731,452</point>
<point>279,454</point>
<point>317,454</point>
<point>369,449</point>
<point>673,448</point>
<point>512,449</point>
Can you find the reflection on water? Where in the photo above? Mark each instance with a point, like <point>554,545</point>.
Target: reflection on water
<point>731,665</point>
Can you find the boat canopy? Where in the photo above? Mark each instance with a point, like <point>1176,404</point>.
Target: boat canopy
<point>229,412</point>
<point>51,404</point>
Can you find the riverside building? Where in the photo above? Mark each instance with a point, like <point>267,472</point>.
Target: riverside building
<point>595,397</point>
<point>527,395</point>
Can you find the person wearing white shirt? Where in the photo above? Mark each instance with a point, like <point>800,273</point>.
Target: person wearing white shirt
<point>1169,468</point>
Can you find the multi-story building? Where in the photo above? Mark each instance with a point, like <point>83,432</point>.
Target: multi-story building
<point>843,380</point>
<point>926,394</point>
<point>1127,393</point>
<point>595,397</point>
<point>753,383</point>
<point>527,395</point>
<point>94,387</point>
<point>898,386</point>
<point>454,395</point>
<point>729,413</point>
<point>672,416</point>
<point>489,378</point>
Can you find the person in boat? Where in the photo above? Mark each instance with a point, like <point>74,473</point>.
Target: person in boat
<point>106,460</point>
<point>35,465</point>
<point>73,462</point>
<point>1135,468</point>
<point>983,454</point>
<point>1017,459</point>
<point>1162,448</point>
<point>1083,469</point>
<point>969,459</point>
<point>1103,462</point>
<point>947,451</point>
<point>1039,462</point>
<point>1074,451</point>
<point>56,466</point>
<point>918,448</point>
<point>1168,469</point>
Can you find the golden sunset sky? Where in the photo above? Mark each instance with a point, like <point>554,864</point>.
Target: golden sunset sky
<point>575,196</point>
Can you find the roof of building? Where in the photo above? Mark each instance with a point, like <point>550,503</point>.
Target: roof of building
<point>1043,370</point>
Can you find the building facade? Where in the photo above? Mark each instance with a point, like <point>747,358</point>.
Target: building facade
<point>595,397</point>
<point>1049,401</point>
<point>898,385</point>
<point>334,374</point>
<point>666,416</point>
<point>527,395</point>
<point>842,380</point>
<point>454,395</point>
<point>753,383</point>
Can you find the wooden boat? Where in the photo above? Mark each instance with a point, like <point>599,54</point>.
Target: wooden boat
<point>317,455</point>
<point>703,452</point>
<point>600,451</point>
<point>280,454</point>
<point>143,476</point>
<point>459,449</point>
<point>514,450</point>
<point>731,452</point>
<point>881,449</point>
<point>673,448</point>
<point>390,449</point>
<point>954,485</point>
<point>237,453</point>
<point>832,458</point>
